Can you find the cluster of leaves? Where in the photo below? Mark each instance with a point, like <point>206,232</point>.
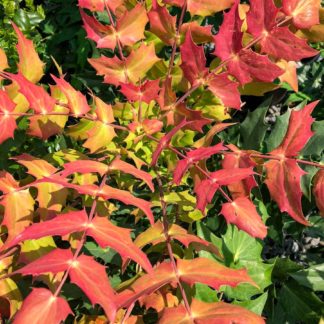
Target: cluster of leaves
<point>115,204</point>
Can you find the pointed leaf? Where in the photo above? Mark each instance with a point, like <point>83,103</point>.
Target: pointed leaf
<point>118,164</point>
<point>244,215</point>
<point>75,221</point>
<point>305,13</point>
<point>93,5</point>
<point>193,61</point>
<point>84,166</point>
<point>92,278</point>
<point>7,122</point>
<point>37,97</point>
<point>283,181</point>
<point>29,64</point>
<point>226,90</point>
<point>162,24</point>
<point>298,133</point>
<point>213,313</point>
<point>76,100</point>
<point>106,234</point>
<point>55,261</point>
<point>41,304</point>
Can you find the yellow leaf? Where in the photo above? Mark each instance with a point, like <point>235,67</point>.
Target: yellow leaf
<point>10,292</point>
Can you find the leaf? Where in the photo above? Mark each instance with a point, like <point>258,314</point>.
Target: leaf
<point>147,92</point>
<point>202,7</point>
<point>277,41</point>
<point>30,65</point>
<point>189,271</point>
<point>239,160</point>
<point>92,278</point>
<point>218,312</point>
<point>37,97</point>
<point>40,304</point>
<point>253,128</point>
<point>57,260</point>
<point>290,75</point>
<point>162,24</point>
<point>7,122</point>
<point>155,234</point>
<point>298,133</point>
<point>243,214</point>
<point>18,205</point>
<point>118,164</point>
<point>195,156</point>
<point>93,5</point>
<point>305,13</point>
<point>193,61</point>
<point>314,145</point>
<point>134,68</point>
<point>3,61</point>
<point>244,64</point>
<point>107,234</point>
<point>283,181</point>
<point>311,277</point>
<point>74,221</point>
<point>77,102</point>
<point>207,188</point>
<point>10,292</point>
<point>165,141</point>
<point>255,305</point>
<point>226,90</point>
<point>318,190</point>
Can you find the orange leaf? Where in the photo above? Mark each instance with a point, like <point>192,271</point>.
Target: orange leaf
<point>29,64</point>
<point>92,278</point>
<point>212,313</point>
<point>42,304</point>
<point>290,74</point>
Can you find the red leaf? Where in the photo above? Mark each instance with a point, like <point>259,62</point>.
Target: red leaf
<point>283,181</point>
<point>193,61</point>
<point>93,5</point>
<point>226,90</point>
<point>318,190</point>
<point>118,164</point>
<point>7,122</point>
<point>92,278</point>
<point>38,98</point>
<point>305,13</point>
<point>244,215</point>
<point>103,35</point>
<point>165,141</point>
<point>245,65</point>
<point>42,304</point>
<point>298,133</point>
<point>75,221</point>
<point>200,34</point>
<point>239,160</point>
<point>207,188</point>
<point>277,41</point>
<point>211,313</point>
<point>76,100</point>
<point>117,238</point>
<point>53,262</point>
<point>162,24</point>
<point>193,157</point>
<point>147,92</point>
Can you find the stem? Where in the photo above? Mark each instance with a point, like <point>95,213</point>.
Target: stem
<point>82,241</point>
<point>169,247</point>
<point>174,46</point>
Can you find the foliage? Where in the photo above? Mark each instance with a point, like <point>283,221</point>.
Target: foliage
<point>108,210</point>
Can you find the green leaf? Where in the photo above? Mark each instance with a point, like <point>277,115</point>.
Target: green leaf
<point>205,294</point>
<point>255,305</point>
<point>315,144</point>
<point>313,277</point>
<point>253,129</point>
<point>300,304</point>
<point>278,132</point>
